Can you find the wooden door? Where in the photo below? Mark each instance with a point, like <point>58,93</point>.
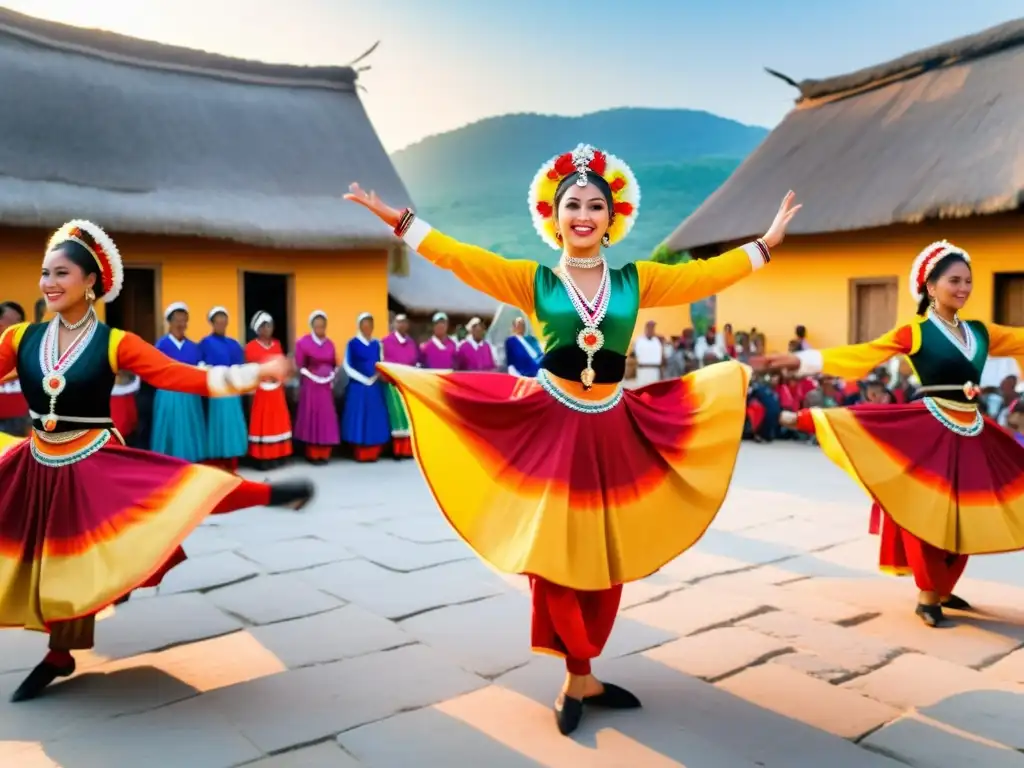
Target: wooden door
<point>135,309</point>
<point>872,308</point>
<point>1009,299</point>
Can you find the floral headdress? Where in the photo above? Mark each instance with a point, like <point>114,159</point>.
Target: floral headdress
<point>100,246</point>
<point>925,263</point>
<point>625,191</point>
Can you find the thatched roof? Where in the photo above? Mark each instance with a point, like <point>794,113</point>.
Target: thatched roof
<point>156,139</point>
<point>937,133</point>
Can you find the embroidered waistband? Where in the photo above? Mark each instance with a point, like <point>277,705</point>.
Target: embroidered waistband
<point>935,408</point>
<point>59,449</point>
<point>578,404</point>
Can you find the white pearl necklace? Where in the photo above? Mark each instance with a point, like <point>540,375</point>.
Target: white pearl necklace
<point>588,262</point>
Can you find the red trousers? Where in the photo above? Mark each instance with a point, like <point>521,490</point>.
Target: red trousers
<point>319,452</point>
<point>900,551</point>
<point>572,623</point>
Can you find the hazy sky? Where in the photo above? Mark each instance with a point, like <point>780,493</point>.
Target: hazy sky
<point>443,63</point>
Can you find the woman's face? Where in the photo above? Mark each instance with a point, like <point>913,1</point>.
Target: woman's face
<point>177,323</point>
<point>319,326</point>
<point>583,217</point>
<point>62,282</point>
<point>266,331</point>
<point>220,323</point>
<point>954,286</point>
<point>366,327</point>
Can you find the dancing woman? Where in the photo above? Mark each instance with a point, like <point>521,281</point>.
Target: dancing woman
<point>947,479</point>
<point>83,519</point>
<point>568,477</point>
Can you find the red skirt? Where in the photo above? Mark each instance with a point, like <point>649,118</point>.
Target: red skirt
<point>124,413</point>
<point>960,493</point>
<point>270,425</point>
<point>76,537</point>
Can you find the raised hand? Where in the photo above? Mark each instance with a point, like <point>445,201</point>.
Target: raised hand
<point>277,369</point>
<point>370,201</point>
<point>763,363</point>
<point>777,231</point>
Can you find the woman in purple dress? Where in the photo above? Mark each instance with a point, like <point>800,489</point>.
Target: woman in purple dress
<point>399,347</point>
<point>316,422</point>
<point>365,422</point>
<point>438,352</point>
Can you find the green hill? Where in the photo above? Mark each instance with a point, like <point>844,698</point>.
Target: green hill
<point>472,182</point>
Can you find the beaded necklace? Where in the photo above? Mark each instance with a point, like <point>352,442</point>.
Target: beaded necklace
<point>590,339</point>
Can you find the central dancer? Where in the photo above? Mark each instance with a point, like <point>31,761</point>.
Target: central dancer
<point>568,477</point>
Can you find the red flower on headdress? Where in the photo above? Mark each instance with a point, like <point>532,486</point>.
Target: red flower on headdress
<point>618,184</point>
<point>544,209</point>
<point>623,209</point>
<point>564,165</point>
<point>599,164</point>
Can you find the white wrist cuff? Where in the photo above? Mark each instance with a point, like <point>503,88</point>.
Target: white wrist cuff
<point>225,381</point>
<point>416,233</point>
<point>756,256</point>
<point>811,362</point>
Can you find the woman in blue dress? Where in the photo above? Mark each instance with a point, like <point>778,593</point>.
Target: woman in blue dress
<point>227,436</point>
<point>364,422</point>
<point>179,425</point>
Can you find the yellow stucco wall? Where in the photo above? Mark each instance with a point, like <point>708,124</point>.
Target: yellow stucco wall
<point>205,273</point>
<point>807,281</point>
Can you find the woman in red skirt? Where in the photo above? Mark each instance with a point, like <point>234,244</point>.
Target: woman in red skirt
<point>948,481</point>
<point>270,423</point>
<point>85,520</point>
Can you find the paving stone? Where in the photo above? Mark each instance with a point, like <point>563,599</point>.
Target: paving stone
<point>209,540</point>
<point>267,599</point>
<point>176,736</point>
<point>813,665</point>
<point>871,594</point>
<point>916,680</point>
<point>694,565</point>
<point>1009,668</point>
<point>161,622</point>
<point>761,575</point>
<point>295,554</point>
<point>744,548</point>
<point>76,706</point>
<point>21,650</point>
<point>993,715</point>
<point>395,595</point>
<point>420,530</point>
<point>813,565</point>
<point>325,755</point>
<point>814,607</point>
<point>925,746</point>
<point>968,644</point>
<point>639,592</point>
<point>401,555</point>
<point>338,634</point>
<point>844,647</point>
<point>694,608</point>
<point>429,737</point>
<point>207,572</point>
<point>807,535</point>
<point>859,555</point>
<point>809,700</point>
<point>306,705</point>
<point>710,655</point>
<point>25,754</point>
<point>678,708</point>
<point>745,508</point>
<point>208,664</point>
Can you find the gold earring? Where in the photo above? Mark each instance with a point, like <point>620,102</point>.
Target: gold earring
<point>606,240</point>
<point>558,236</point>
<point>89,295</point>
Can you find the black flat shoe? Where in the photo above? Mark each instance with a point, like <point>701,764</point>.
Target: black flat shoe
<point>569,715</point>
<point>955,603</point>
<point>291,493</point>
<point>40,677</point>
<point>613,697</point>
<point>930,614</point>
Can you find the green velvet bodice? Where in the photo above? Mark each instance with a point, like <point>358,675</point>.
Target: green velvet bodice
<point>943,360</point>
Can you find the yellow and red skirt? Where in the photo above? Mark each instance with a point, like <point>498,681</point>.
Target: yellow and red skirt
<point>943,472</point>
<point>86,521</point>
<point>270,424</point>
<point>601,489</point>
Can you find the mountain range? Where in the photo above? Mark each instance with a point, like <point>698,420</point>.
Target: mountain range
<point>472,182</point>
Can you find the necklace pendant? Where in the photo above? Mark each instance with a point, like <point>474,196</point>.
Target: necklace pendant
<point>587,377</point>
<point>54,383</point>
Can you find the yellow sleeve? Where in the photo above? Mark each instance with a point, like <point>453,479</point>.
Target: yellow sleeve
<point>662,285</point>
<point>858,360</point>
<point>509,281</point>
<point>1004,341</point>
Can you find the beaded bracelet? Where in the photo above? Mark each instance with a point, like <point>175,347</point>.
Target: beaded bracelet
<point>762,246</point>
<point>404,222</point>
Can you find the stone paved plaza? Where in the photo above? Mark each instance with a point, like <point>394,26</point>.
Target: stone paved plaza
<point>360,632</point>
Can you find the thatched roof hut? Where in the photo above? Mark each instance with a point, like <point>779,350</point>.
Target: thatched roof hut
<point>161,140</point>
<point>934,134</point>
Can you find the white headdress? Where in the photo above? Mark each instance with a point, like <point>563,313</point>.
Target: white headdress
<point>584,159</point>
<point>438,317</point>
<point>925,263</point>
<point>99,244</point>
<point>314,315</point>
<point>178,306</point>
<point>260,318</point>
<point>473,323</point>
<point>217,311</point>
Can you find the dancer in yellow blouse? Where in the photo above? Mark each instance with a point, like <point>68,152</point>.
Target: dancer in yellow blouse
<point>568,477</point>
<point>949,481</point>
